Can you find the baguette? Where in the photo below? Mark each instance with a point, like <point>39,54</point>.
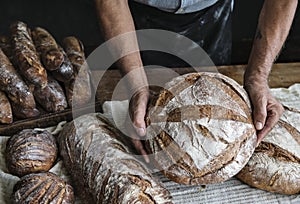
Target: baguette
<point>78,90</point>
<point>25,55</point>
<point>51,55</point>
<point>102,167</point>
<point>6,116</point>
<point>18,92</point>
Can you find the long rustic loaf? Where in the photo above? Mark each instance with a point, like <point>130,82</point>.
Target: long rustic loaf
<point>49,51</point>
<point>200,129</point>
<point>79,89</point>
<point>18,92</point>
<point>102,167</point>
<point>26,56</point>
<point>275,164</point>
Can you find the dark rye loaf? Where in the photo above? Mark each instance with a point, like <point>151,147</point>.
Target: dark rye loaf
<point>102,167</point>
<point>275,164</point>
<point>42,188</point>
<point>200,129</point>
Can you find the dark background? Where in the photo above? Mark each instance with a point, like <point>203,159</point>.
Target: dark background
<point>63,18</point>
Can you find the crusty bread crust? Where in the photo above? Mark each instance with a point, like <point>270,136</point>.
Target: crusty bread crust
<point>275,164</point>
<point>102,167</point>
<point>200,129</point>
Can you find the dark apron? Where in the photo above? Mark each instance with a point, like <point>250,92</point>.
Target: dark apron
<point>210,28</point>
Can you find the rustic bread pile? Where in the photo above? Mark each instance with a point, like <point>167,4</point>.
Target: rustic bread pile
<point>34,69</point>
<point>199,132</point>
<point>29,155</point>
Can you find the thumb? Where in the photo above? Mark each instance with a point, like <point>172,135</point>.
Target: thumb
<point>138,120</point>
<point>138,110</point>
<point>259,113</point>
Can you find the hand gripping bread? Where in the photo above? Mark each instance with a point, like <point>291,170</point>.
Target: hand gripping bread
<point>51,55</point>
<point>42,188</point>
<point>275,164</point>
<point>101,166</point>
<point>26,55</point>
<point>22,100</point>
<point>200,129</point>
<point>78,90</point>
<point>5,109</point>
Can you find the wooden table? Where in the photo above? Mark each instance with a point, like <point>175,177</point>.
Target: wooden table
<point>282,75</point>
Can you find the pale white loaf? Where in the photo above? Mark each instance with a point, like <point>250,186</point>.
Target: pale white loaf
<point>200,129</point>
<point>275,164</point>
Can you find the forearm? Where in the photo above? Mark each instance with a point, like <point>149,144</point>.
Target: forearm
<point>117,24</point>
<point>274,24</point>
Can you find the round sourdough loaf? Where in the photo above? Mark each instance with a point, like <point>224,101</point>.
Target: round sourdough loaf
<point>200,129</point>
<point>42,188</point>
<point>275,164</point>
<point>102,167</point>
<point>30,151</point>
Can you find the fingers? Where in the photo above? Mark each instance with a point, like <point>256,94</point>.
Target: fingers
<point>275,110</point>
<point>138,107</point>
<point>139,147</point>
<point>259,112</point>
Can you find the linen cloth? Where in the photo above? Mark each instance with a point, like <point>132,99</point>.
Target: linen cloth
<point>231,191</point>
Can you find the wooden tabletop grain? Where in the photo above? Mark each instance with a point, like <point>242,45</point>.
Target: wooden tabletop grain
<point>110,86</point>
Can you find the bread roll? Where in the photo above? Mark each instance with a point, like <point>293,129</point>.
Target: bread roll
<point>49,51</point>
<point>52,98</point>
<point>6,47</point>
<point>200,129</point>
<point>65,72</point>
<point>25,55</point>
<point>18,92</point>
<point>102,167</point>
<point>275,164</point>
<point>78,88</point>
<point>42,188</point>
<point>30,151</point>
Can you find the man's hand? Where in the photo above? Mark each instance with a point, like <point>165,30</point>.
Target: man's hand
<point>266,109</point>
<point>137,111</point>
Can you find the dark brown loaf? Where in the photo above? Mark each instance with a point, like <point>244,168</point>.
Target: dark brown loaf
<point>25,55</point>
<point>18,92</point>
<point>200,129</point>
<point>102,167</point>
<point>42,188</point>
<point>6,47</point>
<point>6,116</point>
<point>51,55</point>
<point>65,72</point>
<point>52,97</point>
<point>78,90</point>
<point>275,164</point>
<point>30,151</point>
